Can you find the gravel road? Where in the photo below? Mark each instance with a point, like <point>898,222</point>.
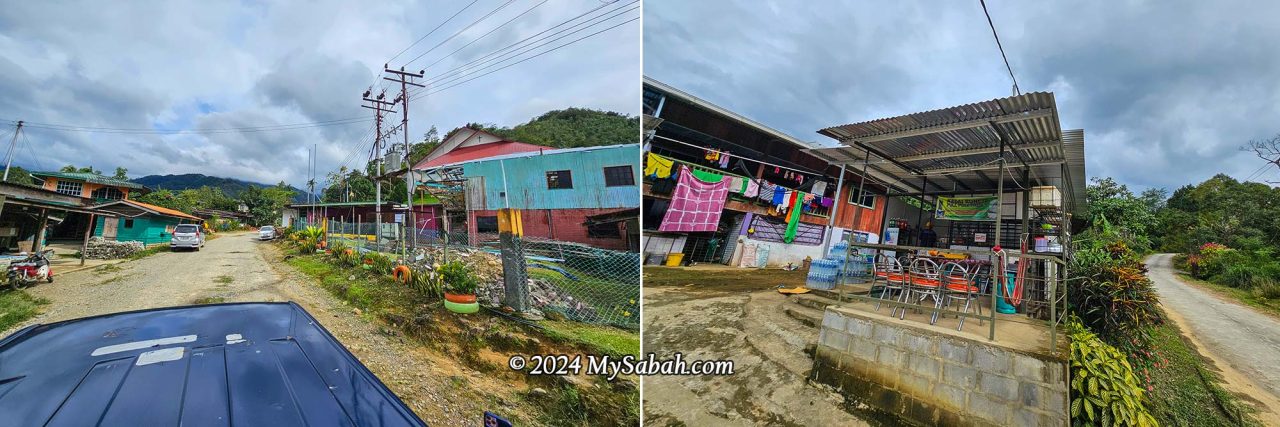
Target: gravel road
<point>237,267</point>
<point>1245,341</point>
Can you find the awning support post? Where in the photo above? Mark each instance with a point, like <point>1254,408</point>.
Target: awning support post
<point>998,268</point>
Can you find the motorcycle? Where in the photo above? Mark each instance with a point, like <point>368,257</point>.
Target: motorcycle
<point>27,271</point>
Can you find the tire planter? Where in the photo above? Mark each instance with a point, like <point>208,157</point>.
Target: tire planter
<point>461,308</point>
<point>402,274</point>
<point>460,298</point>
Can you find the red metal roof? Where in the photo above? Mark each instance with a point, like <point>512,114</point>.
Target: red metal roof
<point>481,151</point>
<point>162,210</point>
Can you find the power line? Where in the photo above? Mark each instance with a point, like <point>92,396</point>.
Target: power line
<point>458,83</point>
<point>420,39</point>
<point>1016,91</point>
<point>533,38</point>
<point>468,27</point>
<point>35,159</point>
<point>145,131</point>
<point>488,33</point>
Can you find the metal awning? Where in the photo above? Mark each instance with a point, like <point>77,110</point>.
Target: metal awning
<point>956,150</point>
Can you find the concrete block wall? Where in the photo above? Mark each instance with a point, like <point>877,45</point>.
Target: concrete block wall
<point>936,379</point>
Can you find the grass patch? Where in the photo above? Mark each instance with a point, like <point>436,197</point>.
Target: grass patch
<point>1270,306</point>
<point>17,306</point>
<point>1185,392</point>
<point>108,268</point>
<point>726,279</point>
<point>224,279</point>
<point>149,252</point>
<point>209,300</point>
<point>601,339</point>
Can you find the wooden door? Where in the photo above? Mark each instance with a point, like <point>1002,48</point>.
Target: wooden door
<point>109,225</point>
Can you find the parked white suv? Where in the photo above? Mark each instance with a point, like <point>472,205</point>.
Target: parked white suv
<point>267,232</point>
<point>187,236</point>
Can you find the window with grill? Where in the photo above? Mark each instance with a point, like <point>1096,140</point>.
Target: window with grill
<point>486,224</point>
<point>109,193</point>
<point>559,179</point>
<point>617,176</point>
<point>604,231</point>
<point>70,188</point>
<point>128,223</point>
<point>867,199</point>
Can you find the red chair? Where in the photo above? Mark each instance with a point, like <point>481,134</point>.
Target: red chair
<point>960,284</point>
<point>924,281</point>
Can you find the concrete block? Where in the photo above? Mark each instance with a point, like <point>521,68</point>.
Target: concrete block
<point>1030,369</point>
<point>989,409</point>
<point>887,335</point>
<point>962,376</point>
<point>990,359</point>
<point>891,357</point>
<point>1004,388</point>
<point>859,327</point>
<point>926,366</point>
<point>916,343</point>
<point>834,338</point>
<point>1030,394</point>
<point>916,385</point>
<point>1030,418</point>
<point>1054,401</point>
<point>833,320</point>
<point>862,349</point>
<point>950,396</point>
<point>1057,376</point>
<point>954,351</point>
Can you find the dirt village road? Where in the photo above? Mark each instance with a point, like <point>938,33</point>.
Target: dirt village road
<point>239,268</point>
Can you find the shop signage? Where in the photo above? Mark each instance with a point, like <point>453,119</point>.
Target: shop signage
<point>967,208</point>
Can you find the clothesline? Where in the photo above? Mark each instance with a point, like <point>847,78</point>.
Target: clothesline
<point>717,171</point>
<point>740,157</point>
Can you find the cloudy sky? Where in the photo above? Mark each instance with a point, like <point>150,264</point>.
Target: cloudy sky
<point>196,65</point>
<point>1167,91</point>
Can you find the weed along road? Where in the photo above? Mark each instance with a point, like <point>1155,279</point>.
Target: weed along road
<point>1246,341</point>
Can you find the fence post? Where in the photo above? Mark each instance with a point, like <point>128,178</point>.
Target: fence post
<point>514,275</point>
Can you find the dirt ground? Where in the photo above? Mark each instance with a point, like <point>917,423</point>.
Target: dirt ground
<point>723,313</point>
<point>236,267</point>
<point>1242,343</point>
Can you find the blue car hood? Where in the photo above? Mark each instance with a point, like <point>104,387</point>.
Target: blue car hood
<point>250,364</point>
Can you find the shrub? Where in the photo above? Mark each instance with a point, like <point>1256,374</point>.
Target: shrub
<point>1269,290</point>
<point>457,278</point>
<point>1113,296</point>
<point>1104,390</point>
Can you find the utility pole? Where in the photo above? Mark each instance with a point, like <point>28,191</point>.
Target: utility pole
<point>13,147</point>
<point>406,79</point>
<point>377,104</point>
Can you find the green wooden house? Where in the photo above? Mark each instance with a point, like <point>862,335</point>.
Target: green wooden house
<point>137,221</point>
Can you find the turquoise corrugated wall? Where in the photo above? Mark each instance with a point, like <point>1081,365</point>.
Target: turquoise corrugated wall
<point>526,179</point>
<point>146,229</point>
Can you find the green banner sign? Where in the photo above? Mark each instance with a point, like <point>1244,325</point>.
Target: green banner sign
<point>967,208</point>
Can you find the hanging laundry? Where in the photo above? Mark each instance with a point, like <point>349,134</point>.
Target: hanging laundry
<point>766,191</point>
<point>752,190</point>
<point>724,161</point>
<point>707,176</point>
<point>827,202</point>
<point>736,184</point>
<point>658,166</point>
<point>695,206</point>
<point>820,187</point>
<point>793,221</point>
<point>778,194</point>
<point>799,179</point>
<point>776,170</point>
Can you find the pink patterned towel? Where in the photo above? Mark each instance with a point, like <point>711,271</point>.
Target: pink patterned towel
<point>695,205</point>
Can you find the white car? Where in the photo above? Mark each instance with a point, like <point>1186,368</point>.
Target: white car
<point>266,233</point>
<point>188,236</point>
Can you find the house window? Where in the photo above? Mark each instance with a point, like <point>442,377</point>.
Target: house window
<point>604,231</point>
<point>71,188</point>
<point>487,224</point>
<point>867,199</point>
<point>128,223</point>
<point>109,193</point>
<point>617,176</point>
<point>559,180</point>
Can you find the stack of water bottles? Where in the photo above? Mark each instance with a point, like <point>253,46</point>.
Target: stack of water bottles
<point>824,274</point>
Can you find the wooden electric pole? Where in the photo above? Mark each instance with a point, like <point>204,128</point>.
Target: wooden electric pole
<point>377,104</point>
<point>406,79</point>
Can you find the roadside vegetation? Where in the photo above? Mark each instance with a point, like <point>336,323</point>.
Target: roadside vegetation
<point>17,306</point>
<point>481,341</point>
<point>1129,366</point>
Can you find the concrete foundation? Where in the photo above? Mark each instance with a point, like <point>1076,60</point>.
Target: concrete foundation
<point>932,378</point>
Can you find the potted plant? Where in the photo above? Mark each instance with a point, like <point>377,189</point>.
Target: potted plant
<point>459,288</point>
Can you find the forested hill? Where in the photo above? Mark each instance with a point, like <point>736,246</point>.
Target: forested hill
<point>572,127</point>
<point>229,186</point>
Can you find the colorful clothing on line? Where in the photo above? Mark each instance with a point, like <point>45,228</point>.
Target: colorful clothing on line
<point>736,184</point>
<point>696,205</point>
<point>753,189</point>
<point>724,160</point>
<point>707,176</point>
<point>820,188</point>
<point>827,202</point>
<point>793,220</point>
<point>658,166</point>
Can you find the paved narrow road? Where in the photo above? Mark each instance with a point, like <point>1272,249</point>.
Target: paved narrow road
<point>1246,341</point>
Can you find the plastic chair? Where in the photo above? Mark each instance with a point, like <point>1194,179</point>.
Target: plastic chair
<point>960,284</point>
<point>888,270</point>
<point>924,281</point>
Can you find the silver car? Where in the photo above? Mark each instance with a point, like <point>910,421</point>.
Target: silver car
<point>187,236</point>
<point>267,232</point>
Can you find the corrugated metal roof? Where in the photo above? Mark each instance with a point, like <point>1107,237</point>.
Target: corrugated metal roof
<point>690,98</point>
<point>151,208</point>
<point>91,177</point>
<point>482,151</point>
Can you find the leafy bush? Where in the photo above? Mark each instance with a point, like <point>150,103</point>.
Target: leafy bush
<point>379,263</point>
<point>1104,390</point>
<point>309,237</point>
<point>1113,295</point>
<point>457,278</point>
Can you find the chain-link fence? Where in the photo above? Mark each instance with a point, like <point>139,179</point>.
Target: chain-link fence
<point>562,279</point>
